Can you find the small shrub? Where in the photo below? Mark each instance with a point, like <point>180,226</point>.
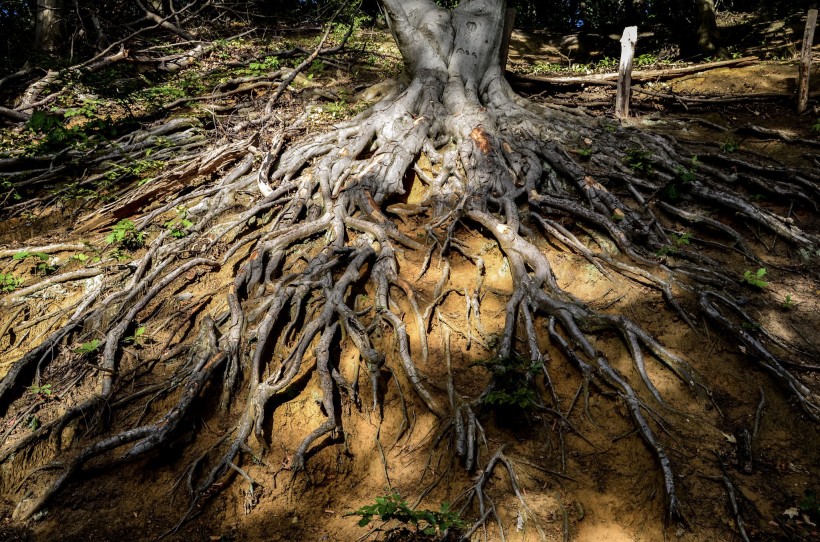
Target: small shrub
<point>647,59</point>
<point>88,348</point>
<point>678,240</point>
<point>8,282</point>
<point>730,145</point>
<point>638,160</point>
<point>268,64</point>
<point>513,383</point>
<point>755,278</point>
<point>42,265</point>
<point>125,234</point>
<point>178,227</point>
<point>687,175</point>
<point>427,522</point>
<point>585,153</point>
<point>137,337</point>
<point>44,390</point>
<point>608,62</point>
<point>541,68</point>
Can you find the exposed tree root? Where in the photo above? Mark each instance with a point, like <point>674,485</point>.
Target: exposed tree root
<point>316,223</point>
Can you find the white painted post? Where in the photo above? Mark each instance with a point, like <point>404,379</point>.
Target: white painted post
<point>805,62</point>
<point>628,42</point>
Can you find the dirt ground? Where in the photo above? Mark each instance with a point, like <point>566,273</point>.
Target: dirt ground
<point>599,481</point>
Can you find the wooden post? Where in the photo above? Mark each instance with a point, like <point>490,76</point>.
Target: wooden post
<point>805,62</point>
<point>509,21</point>
<point>628,42</point>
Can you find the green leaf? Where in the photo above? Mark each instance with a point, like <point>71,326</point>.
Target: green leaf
<point>89,347</point>
<point>756,278</point>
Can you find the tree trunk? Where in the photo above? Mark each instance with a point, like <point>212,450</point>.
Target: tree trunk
<point>452,62</point>
<point>707,34</point>
<point>48,25</point>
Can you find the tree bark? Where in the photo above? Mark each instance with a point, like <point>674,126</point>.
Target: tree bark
<point>48,25</point>
<point>708,35</point>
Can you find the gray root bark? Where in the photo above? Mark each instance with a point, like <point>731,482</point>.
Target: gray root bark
<point>48,25</point>
<point>708,35</point>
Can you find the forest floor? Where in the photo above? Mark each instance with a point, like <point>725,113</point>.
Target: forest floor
<point>610,489</point>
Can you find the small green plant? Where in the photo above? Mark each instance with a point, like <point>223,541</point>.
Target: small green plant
<point>178,227</point>
<point>88,109</point>
<point>33,423</point>
<point>647,59</point>
<point>135,168</point>
<point>638,160</point>
<point>53,132</point>
<point>316,69</point>
<point>730,145</point>
<point>119,254</point>
<point>687,175</point>
<point>426,522</point>
<point>541,68</point>
<point>137,337</point>
<point>44,390</point>
<point>88,348</point>
<point>788,303</point>
<point>8,190</point>
<point>191,83</point>
<point>268,64</point>
<point>125,234</point>
<point>755,278</point>
<point>682,239</point>
<point>513,383</point>
<point>678,240</point>
<point>816,126</point>
<point>608,62</point>
<point>585,152</point>
<point>160,93</point>
<point>42,265</point>
<point>8,282</point>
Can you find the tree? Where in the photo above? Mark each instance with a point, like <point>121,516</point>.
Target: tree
<point>48,25</point>
<point>708,36</point>
<point>325,227</point>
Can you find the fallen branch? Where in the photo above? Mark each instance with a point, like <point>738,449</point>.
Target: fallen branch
<point>647,75</point>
